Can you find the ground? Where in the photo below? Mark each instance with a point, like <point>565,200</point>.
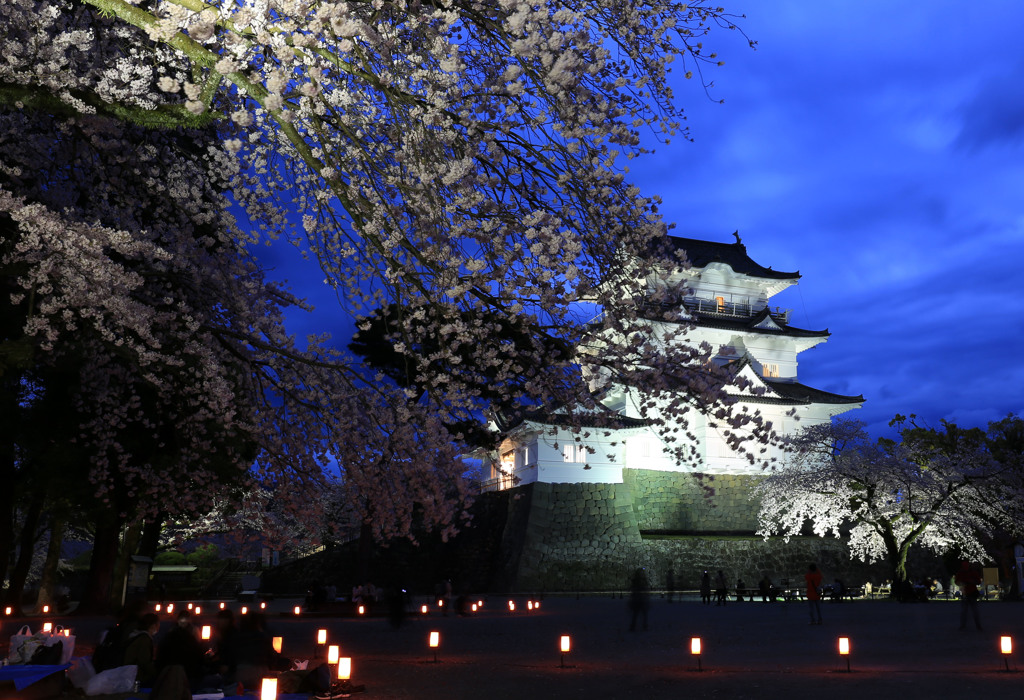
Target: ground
<point>751,650</point>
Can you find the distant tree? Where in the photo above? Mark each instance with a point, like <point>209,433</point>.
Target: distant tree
<point>936,488</point>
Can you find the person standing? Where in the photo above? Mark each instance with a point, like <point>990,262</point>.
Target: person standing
<point>968,579</point>
<point>813,579</point>
<point>721,588</point>
<point>705,588</point>
<point>639,598</point>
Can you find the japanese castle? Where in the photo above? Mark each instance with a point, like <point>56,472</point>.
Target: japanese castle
<point>726,298</point>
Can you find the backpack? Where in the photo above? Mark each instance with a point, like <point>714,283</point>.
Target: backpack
<point>109,653</point>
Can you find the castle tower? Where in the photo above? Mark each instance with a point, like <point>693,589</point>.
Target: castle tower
<point>727,298</point>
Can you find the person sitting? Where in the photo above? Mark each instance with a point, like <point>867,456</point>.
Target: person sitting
<point>138,650</point>
<point>181,647</point>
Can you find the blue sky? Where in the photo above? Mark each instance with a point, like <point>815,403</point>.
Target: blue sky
<point>878,148</point>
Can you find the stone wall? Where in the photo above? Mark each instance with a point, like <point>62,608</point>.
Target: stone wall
<point>566,537</point>
<point>692,503</point>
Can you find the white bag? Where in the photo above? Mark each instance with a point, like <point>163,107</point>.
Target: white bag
<point>114,680</point>
<point>24,645</point>
<point>80,672</point>
<point>68,641</point>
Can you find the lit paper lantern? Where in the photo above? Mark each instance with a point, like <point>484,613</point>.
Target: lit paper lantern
<point>198,610</point>
<point>46,609</point>
<point>321,636</point>
<point>362,610</point>
<point>333,654</point>
<point>695,650</point>
<point>844,651</point>
<point>1006,648</point>
<point>222,606</point>
<point>278,643</point>
<point>205,634</point>
<point>424,609</point>
<point>297,610</point>
<point>564,645</point>
<point>434,641</point>
<point>263,605</point>
<point>269,689</point>
<point>47,627</point>
<point>344,668</point>
<point>245,610</point>
<point>170,608</point>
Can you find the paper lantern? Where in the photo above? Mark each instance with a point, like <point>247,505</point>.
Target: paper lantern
<point>297,610</point>
<point>344,668</point>
<point>333,654</point>
<point>695,650</point>
<point>321,636</point>
<point>1006,648</point>
<point>205,634</point>
<point>564,645</point>
<point>269,689</point>
<point>277,643</point>
<point>434,641</point>
<point>844,651</point>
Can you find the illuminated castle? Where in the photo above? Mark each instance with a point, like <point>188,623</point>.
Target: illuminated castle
<point>726,296</point>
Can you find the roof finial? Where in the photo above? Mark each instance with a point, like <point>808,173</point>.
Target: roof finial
<point>737,234</point>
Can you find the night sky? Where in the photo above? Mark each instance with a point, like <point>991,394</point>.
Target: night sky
<point>877,148</point>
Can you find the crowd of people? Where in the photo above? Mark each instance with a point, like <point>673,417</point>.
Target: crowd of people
<point>176,662</point>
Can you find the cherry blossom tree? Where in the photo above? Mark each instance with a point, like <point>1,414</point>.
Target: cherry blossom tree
<point>461,162</point>
<point>937,488</point>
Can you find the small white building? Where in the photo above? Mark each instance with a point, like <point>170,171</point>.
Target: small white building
<point>727,298</point>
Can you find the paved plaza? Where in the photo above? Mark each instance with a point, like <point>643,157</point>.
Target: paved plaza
<point>751,650</point>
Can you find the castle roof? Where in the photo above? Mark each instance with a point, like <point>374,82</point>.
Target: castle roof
<point>761,322</point>
<point>703,253</point>
<point>601,417</point>
<point>795,393</point>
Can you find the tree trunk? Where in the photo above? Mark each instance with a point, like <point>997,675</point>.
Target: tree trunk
<point>8,473</point>
<point>48,579</point>
<point>96,599</point>
<point>363,553</point>
<point>132,535</point>
<point>26,548</point>
<point>150,540</point>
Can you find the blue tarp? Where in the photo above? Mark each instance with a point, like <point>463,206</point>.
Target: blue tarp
<point>24,675</point>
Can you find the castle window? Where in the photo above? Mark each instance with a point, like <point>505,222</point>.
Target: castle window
<point>574,453</point>
<point>769,370</point>
<point>720,304</point>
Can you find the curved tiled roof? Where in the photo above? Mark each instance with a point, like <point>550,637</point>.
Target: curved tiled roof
<point>749,323</point>
<point>795,393</point>
<point>703,253</point>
